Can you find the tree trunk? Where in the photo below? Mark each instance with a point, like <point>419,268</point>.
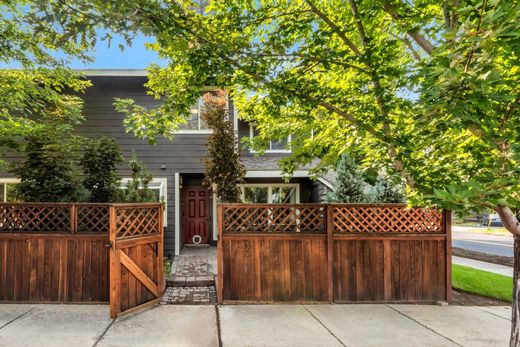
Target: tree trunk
<point>510,222</point>
<point>515,308</point>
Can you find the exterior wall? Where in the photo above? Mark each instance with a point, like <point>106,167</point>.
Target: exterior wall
<point>319,190</point>
<point>184,155</point>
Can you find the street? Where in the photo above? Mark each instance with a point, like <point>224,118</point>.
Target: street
<point>486,243</point>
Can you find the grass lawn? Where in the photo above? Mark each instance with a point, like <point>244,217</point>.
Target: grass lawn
<point>482,282</point>
<point>488,230</point>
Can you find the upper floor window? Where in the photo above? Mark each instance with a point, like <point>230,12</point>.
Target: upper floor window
<point>274,146</point>
<point>7,186</point>
<point>195,123</point>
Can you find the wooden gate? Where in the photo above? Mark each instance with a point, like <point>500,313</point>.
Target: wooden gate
<point>136,257</point>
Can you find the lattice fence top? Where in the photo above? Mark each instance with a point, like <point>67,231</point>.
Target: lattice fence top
<point>274,219</point>
<point>93,218</point>
<point>386,219</point>
<point>81,218</point>
<point>135,221</point>
<point>35,218</point>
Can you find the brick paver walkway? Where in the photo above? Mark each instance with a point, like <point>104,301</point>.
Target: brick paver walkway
<point>192,279</point>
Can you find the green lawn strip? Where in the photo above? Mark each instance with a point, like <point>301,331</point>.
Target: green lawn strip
<point>482,283</point>
<point>489,230</point>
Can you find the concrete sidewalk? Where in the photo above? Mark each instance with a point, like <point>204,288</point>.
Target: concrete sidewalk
<point>482,265</point>
<point>256,325</point>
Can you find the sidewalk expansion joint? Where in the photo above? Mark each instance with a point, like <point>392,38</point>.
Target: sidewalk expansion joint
<point>423,325</point>
<point>219,332</point>
<point>323,325</point>
<point>491,313</point>
<point>100,337</point>
<point>20,316</point>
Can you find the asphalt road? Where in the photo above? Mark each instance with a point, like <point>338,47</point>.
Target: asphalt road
<point>491,244</point>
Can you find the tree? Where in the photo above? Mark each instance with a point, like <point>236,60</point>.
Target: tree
<point>47,173</point>
<point>137,188</point>
<point>349,185</point>
<point>224,171</point>
<point>41,93</point>
<point>425,89</point>
<point>99,160</point>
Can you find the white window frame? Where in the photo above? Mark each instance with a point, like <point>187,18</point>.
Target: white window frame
<point>4,182</point>
<point>252,135</point>
<point>198,130</point>
<point>270,187</point>
<point>163,192</point>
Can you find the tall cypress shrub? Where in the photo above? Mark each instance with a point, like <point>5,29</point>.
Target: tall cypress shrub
<point>224,171</point>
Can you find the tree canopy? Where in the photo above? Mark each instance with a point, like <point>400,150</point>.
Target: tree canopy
<point>427,90</point>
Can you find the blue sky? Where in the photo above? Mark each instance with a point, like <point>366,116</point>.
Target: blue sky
<point>135,57</point>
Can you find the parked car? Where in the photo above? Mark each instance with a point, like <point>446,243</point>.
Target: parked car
<point>492,219</point>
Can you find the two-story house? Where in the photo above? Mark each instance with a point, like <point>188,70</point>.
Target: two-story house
<point>178,164</point>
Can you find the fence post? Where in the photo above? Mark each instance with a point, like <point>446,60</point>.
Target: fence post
<point>115,267</point>
<point>73,219</point>
<point>329,225</point>
<point>220,254</point>
<point>446,222</point>
<point>160,251</point>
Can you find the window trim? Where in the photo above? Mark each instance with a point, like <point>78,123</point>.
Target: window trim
<point>4,181</point>
<point>251,136</point>
<point>198,130</point>
<point>163,192</point>
<point>270,187</point>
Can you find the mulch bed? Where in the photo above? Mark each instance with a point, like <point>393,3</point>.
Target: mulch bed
<point>489,258</point>
<point>461,298</point>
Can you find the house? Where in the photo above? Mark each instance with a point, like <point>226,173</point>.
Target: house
<point>178,165</point>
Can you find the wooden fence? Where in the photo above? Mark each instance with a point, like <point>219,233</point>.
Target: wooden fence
<point>335,253</point>
<point>56,252</point>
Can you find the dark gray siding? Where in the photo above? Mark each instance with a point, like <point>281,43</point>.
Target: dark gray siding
<point>319,190</point>
<point>185,154</point>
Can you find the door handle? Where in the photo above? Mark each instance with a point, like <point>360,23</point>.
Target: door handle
<point>109,245</point>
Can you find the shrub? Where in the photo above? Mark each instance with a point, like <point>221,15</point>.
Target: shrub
<point>349,185</point>
<point>352,186</point>
<point>99,161</point>
<point>137,188</point>
<point>47,172</point>
<point>385,191</point>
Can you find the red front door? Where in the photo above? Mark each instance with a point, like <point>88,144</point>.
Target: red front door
<point>196,217</point>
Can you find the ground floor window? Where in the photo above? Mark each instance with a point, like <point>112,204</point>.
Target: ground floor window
<point>159,186</point>
<point>7,187</point>
<point>270,193</point>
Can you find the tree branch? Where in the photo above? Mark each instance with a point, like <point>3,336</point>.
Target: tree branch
<point>408,44</point>
<point>309,58</point>
<point>334,27</point>
<point>415,35</point>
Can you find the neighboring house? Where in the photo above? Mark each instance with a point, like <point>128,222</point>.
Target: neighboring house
<point>178,165</point>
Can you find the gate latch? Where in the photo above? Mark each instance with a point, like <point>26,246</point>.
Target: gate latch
<point>108,245</point>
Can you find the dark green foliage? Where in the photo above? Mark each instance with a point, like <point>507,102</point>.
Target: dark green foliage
<point>99,161</point>
<point>224,171</point>
<point>47,174</point>
<point>349,185</point>
<point>137,188</point>
<point>385,191</point>
<point>354,186</point>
